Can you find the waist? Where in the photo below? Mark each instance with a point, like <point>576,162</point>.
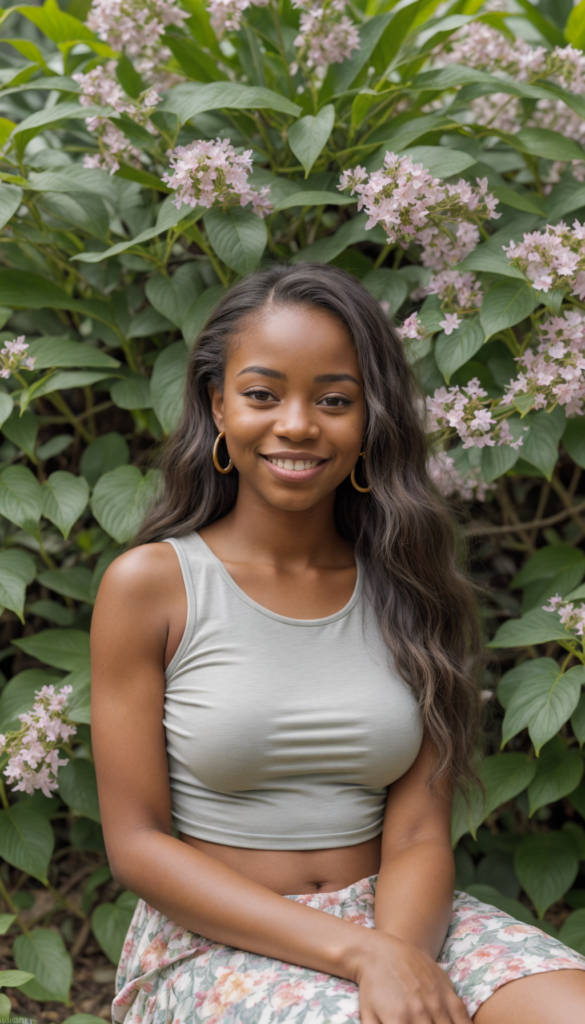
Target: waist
<point>290,872</point>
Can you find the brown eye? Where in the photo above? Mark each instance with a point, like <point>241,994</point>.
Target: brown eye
<point>259,395</point>
<point>336,401</point>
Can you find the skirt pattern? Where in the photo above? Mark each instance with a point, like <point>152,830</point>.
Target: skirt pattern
<point>169,975</point>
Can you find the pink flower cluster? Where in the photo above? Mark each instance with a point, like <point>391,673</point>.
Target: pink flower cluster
<point>571,617</point>
<point>412,328</point>
<point>327,35</point>
<point>13,356</point>
<point>100,86</point>
<point>227,14</point>
<point>136,27</point>
<point>207,173</point>
<point>458,291</point>
<point>553,258</point>
<point>480,46</point>
<point>463,408</point>
<point>556,371</point>
<point>33,753</point>
<point>412,206</point>
<point>450,483</point>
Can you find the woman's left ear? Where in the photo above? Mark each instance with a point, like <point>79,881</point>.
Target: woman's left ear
<point>216,400</point>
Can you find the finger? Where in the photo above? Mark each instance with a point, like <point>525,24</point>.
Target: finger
<point>458,1010</point>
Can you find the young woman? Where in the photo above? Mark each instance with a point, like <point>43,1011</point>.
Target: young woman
<point>284,696</point>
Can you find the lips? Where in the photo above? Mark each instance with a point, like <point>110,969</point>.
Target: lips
<point>294,467</point>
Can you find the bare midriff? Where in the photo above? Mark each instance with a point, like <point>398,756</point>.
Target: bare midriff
<point>296,872</point>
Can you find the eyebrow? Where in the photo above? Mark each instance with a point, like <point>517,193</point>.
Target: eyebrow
<point>322,378</point>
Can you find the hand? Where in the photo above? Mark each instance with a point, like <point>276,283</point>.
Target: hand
<point>401,984</point>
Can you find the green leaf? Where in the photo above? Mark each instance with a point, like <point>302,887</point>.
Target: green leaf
<point>120,500</point>
<point>541,447</point>
<point>6,920</point>
<point>168,384</point>
<point>13,979</point>
<point>65,498</point>
<point>574,440</point>
<point>79,700</point>
<point>55,24</point>
<point>82,210</point>
<point>73,581</point>
<point>440,161</point>
<point>132,392</point>
<point>575,27</point>
<point>168,216</point>
<point>18,696</point>
<point>326,249</point>
<point>546,563</point>
<point>464,819</point>
<point>64,380</point>
<point>455,349</point>
<point>43,953</point>
<point>21,430</point>
<point>559,772</point>
<point>370,33</point>
<point>504,777</point>
<point>499,458</point>
<point>506,304</point>
<point>17,569</point>
<point>238,236</point>
<point>490,258</point>
<point>546,865</point>
<point>10,201</point>
<point>105,453</point>
<point>549,144</point>
<point>21,498</point>
<point>190,98</point>
<point>6,406</point>
<point>172,296</point>
<point>196,316</point>
<point>387,286</point>
<point>308,136</point>
<point>527,201</point>
<point>26,840</point>
<point>536,627</point>
<point>543,702</point>
<point>110,923</point>
<point>53,352</point>
<point>78,787</point>
<point>310,198</point>
<point>60,648</point>
<point>572,932</point>
<point>578,720</point>
<point>54,117</point>
<point>146,323</point>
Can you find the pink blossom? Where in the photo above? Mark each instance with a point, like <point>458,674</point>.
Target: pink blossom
<point>33,759</point>
<point>464,409</point>
<point>412,328</point>
<point>449,482</point>
<point>327,35</point>
<point>211,173</point>
<point>572,618</point>
<point>227,14</point>
<point>136,27</point>
<point>450,323</point>
<point>13,357</point>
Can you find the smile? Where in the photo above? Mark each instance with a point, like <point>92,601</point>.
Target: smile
<point>294,470</point>
<point>297,465</point>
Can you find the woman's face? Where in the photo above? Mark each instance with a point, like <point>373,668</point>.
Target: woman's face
<point>292,406</point>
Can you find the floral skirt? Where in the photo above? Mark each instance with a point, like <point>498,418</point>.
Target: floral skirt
<point>169,975</point>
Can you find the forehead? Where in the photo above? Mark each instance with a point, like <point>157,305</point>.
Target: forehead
<point>292,339</point>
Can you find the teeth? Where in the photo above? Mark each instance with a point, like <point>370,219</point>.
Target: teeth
<point>298,464</point>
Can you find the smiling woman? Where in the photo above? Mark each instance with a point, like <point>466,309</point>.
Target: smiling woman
<point>285,696</point>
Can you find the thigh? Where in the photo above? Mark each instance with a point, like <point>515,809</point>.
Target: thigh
<point>537,999</point>
<point>486,949</point>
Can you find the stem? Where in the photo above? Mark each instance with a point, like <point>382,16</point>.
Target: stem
<point>382,256</point>
<point>203,245</point>
<point>11,905</point>
<point>59,402</point>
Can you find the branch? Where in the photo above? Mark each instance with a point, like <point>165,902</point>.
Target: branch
<point>481,530</point>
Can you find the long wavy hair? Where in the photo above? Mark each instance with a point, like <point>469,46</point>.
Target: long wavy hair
<point>403,530</point>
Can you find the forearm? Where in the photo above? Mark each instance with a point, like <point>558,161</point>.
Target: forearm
<point>211,899</point>
<point>414,894</point>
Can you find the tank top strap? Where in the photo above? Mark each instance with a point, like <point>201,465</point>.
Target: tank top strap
<point>189,553</point>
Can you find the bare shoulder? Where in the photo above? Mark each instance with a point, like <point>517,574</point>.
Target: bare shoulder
<point>146,566</point>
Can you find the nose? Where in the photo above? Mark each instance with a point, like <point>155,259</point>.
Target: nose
<point>296,422</point>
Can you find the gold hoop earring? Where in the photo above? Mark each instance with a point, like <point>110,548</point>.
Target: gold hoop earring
<point>230,466</point>
<point>362,490</point>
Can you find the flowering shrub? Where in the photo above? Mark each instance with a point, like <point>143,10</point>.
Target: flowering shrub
<point>155,152</point>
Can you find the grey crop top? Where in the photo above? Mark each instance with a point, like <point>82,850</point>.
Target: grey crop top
<point>281,733</point>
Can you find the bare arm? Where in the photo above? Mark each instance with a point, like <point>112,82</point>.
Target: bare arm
<point>129,633</point>
<point>414,892</point>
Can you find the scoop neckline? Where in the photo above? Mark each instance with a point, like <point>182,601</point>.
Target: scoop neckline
<point>275,615</point>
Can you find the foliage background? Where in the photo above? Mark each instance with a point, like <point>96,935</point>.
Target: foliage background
<point>110,284</point>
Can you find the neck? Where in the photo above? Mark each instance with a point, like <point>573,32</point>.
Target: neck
<point>293,539</point>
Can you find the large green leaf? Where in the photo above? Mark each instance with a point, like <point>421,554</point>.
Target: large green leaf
<point>504,777</point>
<point>110,923</point>
<point>238,236</point>
<point>132,392</point>
<point>574,439</point>
<point>536,627</point>
<point>78,787</point>
<point>306,197</point>
<point>543,702</point>
<point>73,581</point>
<point>541,447</point>
<point>550,145</point>
<point>454,350</point>
<point>43,953</point>
<point>55,352</point>
<point>572,932</point>
<point>168,216</point>
<point>60,648</point>
<point>21,498</point>
<point>546,865</point>
<point>21,428</point>
<point>440,161</point>
<point>6,406</point>
<point>55,117</point>
<point>26,840</point>
<point>308,136</point>
<point>120,500</point>
<point>65,498</point>
<point>168,384</point>
<point>546,563</point>
<point>17,569</point>
<point>506,304</point>
<point>81,210</point>
<point>559,772</point>
<point>10,201</point>
<point>497,459</point>
<point>198,312</point>
<point>190,98</point>
<point>105,453</point>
